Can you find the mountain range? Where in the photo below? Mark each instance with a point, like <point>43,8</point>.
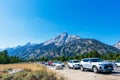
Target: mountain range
<point>62,45</point>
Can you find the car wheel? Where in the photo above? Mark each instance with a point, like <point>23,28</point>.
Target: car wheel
<point>81,68</point>
<point>116,66</point>
<point>69,67</point>
<point>95,70</point>
<point>74,67</point>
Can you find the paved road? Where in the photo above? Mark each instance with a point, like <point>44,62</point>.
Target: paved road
<point>87,75</point>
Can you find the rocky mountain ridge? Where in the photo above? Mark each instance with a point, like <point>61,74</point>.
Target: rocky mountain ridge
<point>62,45</point>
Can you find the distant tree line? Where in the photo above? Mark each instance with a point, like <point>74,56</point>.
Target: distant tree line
<point>94,53</point>
<point>38,59</point>
<point>5,58</point>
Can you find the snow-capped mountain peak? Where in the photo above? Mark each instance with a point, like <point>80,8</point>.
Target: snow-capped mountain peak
<point>62,39</point>
<point>117,45</point>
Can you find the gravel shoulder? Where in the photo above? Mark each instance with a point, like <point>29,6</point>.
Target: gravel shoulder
<point>71,74</point>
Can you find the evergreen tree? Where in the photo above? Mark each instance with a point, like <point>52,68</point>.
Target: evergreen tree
<point>5,59</point>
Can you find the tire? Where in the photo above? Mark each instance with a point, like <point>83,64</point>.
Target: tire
<point>69,67</point>
<point>74,67</point>
<point>82,68</point>
<point>95,70</point>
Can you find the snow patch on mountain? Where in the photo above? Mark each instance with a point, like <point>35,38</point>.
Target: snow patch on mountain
<point>117,45</point>
<point>62,39</point>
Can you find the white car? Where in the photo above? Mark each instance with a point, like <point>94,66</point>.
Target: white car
<point>96,65</point>
<point>117,64</point>
<point>54,63</point>
<point>59,65</point>
<point>74,64</point>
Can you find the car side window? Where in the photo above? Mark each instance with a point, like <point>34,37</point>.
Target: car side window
<point>85,60</point>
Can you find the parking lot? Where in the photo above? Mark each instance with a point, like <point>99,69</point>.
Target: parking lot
<point>71,74</point>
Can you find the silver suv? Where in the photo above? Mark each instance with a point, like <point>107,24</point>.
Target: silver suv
<point>74,64</point>
<point>96,65</point>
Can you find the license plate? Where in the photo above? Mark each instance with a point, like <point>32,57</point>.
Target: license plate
<point>109,67</point>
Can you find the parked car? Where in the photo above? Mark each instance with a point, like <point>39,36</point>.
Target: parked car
<point>46,63</point>
<point>54,63</point>
<point>50,63</point>
<point>59,65</point>
<point>96,65</point>
<point>117,64</point>
<point>74,64</point>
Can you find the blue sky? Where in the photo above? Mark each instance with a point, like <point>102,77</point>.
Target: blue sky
<point>39,20</point>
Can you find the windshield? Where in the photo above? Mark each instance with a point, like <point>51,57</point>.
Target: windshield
<point>96,60</point>
<point>75,61</point>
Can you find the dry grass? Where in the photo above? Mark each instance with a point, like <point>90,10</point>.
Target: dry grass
<point>31,66</point>
<point>37,72</point>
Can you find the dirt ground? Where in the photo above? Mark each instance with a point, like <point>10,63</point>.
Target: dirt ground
<point>71,74</point>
